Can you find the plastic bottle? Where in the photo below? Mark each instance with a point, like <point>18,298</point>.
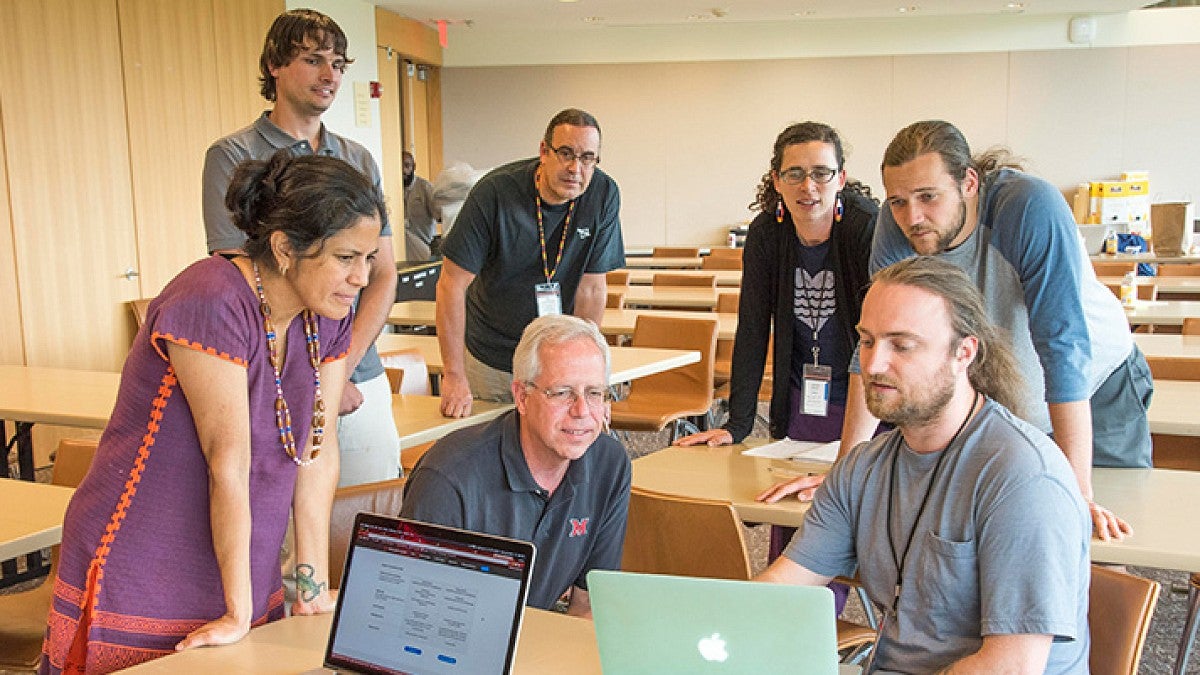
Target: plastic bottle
<point>1110,242</point>
<point>1129,289</point>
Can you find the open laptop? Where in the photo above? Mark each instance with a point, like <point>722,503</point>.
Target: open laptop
<point>419,598</point>
<point>649,623</point>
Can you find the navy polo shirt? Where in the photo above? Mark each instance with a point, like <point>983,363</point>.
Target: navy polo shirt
<point>477,479</point>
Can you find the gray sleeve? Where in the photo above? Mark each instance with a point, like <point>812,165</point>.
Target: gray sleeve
<point>609,253</point>
<point>1033,567</point>
<point>430,498</point>
<point>219,229</point>
<point>825,545</point>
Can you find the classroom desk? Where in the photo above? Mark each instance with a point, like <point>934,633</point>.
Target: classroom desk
<point>1167,286</point>
<point>671,297</point>
<point>1162,312</point>
<point>31,516</point>
<point>663,263</point>
<point>726,279</point>
<point>75,398</point>
<point>1168,346</point>
<point>419,417</point>
<point>549,644</point>
<point>615,322</point>
<point>1145,258</point>
<point>1162,507</point>
<point>1173,408</point>
<point>628,363</point>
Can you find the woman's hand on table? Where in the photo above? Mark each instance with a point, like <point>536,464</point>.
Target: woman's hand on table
<point>1106,525</point>
<point>802,486</point>
<point>224,631</point>
<point>711,438</point>
<point>325,602</point>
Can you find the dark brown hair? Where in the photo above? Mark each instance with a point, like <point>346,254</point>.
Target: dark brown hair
<point>286,38</point>
<point>803,132</point>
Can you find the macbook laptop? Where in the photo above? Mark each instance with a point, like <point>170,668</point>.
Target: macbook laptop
<point>649,623</point>
<point>419,598</point>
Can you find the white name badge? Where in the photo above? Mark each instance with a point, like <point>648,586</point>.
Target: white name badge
<point>549,299</point>
<point>816,390</point>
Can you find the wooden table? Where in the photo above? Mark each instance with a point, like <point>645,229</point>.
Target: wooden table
<point>75,398</point>
<point>1162,312</point>
<point>1145,258</point>
<point>31,516</point>
<point>650,262</point>
<point>549,643</point>
<point>672,297</point>
<point>1168,346</point>
<point>1167,286</point>
<point>615,322</point>
<point>728,279</point>
<point>1163,508</point>
<point>1173,410</point>
<point>628,363</point>
<point>419,417</point>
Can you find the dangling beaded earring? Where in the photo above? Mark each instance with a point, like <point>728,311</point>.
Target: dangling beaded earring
<point>838,209</point>
<point>779,210</point>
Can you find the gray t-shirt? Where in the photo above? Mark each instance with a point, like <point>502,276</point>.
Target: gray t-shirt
<point>260,140</point>
<point>1001,548</point>
<point>477,479</point>
<point>496,238</point>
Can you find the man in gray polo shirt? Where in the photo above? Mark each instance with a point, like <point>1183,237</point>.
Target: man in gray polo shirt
<point>302,63</point>
<point>544,472</point>
<point>965,523</point>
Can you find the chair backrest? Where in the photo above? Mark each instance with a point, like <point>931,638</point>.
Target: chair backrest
<point>684,536</point>
<point>727,303</point>
<point>139,308</point>
<point>698,280</point>
<point>709,262</point>
<point>72,460</point>
<point>617,278</point>
<point>383,497</point>
<point>416,373</point>
<point>668,332</point>
<point>1145,291</point>
<point>725,252</point>
<point>1174,368</point>
<point>1119,613</point>
<point>1191,325</point>
<point>616,300</point>
<point>675,252</point>
<point>1189,270</point>
<point>1113,269</point>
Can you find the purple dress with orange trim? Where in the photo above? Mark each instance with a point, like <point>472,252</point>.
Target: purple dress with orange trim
<point>137,571</point>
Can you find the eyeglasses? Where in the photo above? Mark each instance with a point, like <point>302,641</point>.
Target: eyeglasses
<point>561,397</point>
<point>796,175</point>
<point>566,155</point>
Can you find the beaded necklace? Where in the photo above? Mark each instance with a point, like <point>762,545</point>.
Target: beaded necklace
<point>283,416</point>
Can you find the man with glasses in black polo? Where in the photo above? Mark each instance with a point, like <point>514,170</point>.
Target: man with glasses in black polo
<point>544,472</point>
<point>534,238</point>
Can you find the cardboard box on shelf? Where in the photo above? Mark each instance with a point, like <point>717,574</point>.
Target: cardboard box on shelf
<point>1120,201</point>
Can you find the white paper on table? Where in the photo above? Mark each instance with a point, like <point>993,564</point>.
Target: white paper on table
<point>789,449</point>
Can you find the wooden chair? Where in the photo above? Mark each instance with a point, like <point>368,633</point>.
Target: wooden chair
<point>1174,368</point>
<point>689,280</point>
<point>615,300</point>
<point>617,278</point>
<point>675,252</point>
<point>1191,325</point>
<point>725,252</point>
<point>1189,270</point>
<point>1119,612</point>
<point>410,456</point>
<point>407,371</point>
<point>709,262</point>
<point>665,532</point>
<point>23,615</point>
<point>383,497</point>
<point>727,303</point>
<point>1145,291</point>
<point>139,308</point>
<point>1113,269</point>
<point>676,394</point>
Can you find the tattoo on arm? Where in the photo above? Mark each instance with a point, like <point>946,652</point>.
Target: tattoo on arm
<point>306,587</point>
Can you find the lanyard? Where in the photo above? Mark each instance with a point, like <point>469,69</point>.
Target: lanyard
<point>562,246</point>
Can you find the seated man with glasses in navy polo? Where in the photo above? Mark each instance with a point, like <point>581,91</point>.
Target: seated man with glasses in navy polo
<point>545,472</point>
<point>535,237</point>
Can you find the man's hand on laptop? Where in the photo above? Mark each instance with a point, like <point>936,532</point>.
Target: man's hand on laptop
<point>802,486</point>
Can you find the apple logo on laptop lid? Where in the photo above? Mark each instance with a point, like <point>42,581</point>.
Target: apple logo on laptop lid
<point>712,648</point>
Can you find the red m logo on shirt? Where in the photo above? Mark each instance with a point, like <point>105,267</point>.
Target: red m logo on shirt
<point>579,527</point>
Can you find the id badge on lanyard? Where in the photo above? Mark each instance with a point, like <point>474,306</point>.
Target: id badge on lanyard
<point>815,387</point>
<point>549,299</point>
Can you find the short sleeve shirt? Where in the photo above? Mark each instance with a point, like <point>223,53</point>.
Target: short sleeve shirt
<point>477,479</point>
<point>495,237</point>
<point>1001,546</point>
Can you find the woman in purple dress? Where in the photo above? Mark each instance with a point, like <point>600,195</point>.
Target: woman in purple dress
<point>172,540</point>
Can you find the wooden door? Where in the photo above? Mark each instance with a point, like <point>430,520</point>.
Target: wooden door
<point>389,127</point>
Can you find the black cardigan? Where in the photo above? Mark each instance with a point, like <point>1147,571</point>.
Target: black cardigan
<point>769,263</point>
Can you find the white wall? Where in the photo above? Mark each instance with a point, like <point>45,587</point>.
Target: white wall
<point>357,20</point>
<point>688,141</point>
